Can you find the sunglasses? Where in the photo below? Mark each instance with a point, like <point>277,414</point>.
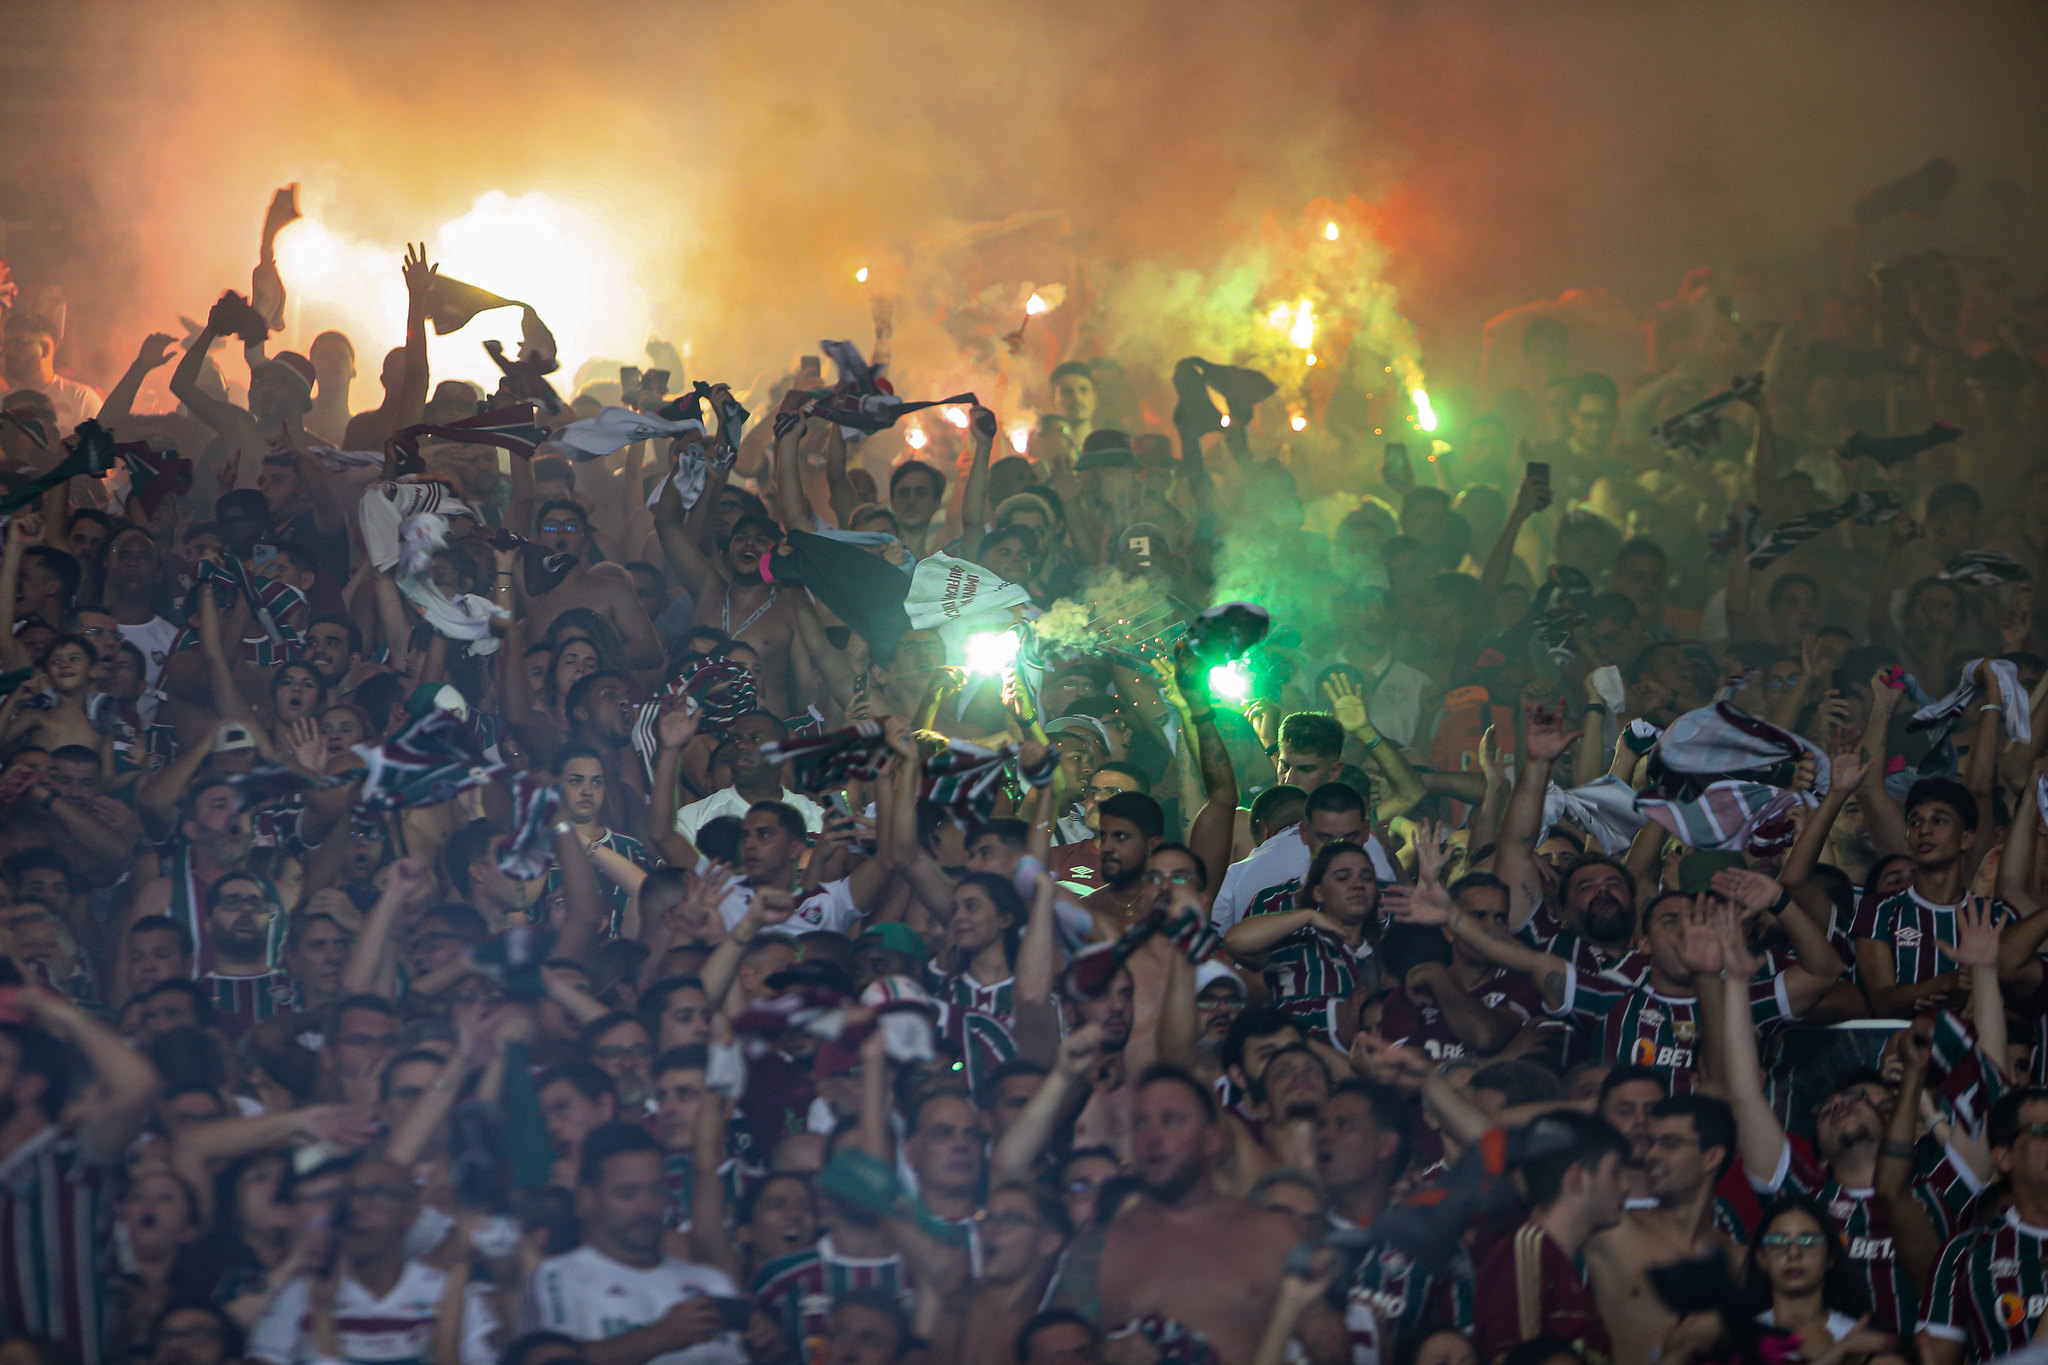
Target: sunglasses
<point>1806,1240</point>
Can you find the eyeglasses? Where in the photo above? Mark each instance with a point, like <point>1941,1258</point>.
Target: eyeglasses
<point>1807,1241</point>
<point>241,903</point>
<point>556,528</point>
<point>1184,877</point>
<point>1082,1185</point>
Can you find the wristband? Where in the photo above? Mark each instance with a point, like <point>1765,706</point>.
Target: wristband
<point>1373,743</point>
<point>1778,906</point>
<point>561,829</point>
<point>1599,706</point>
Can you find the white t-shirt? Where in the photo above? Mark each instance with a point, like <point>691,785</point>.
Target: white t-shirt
<point>154,638</point>
<point>728,801</point>
<point>587,1295</point>
<point>1282,858</point>
<point>398,1327</point>
<point>829,907</point>
<point>73,401</point>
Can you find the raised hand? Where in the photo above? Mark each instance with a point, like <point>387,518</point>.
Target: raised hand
<point>676,725</point>
<point>1080,1051</point>
<point>1432,852</point>
<point>304,743</point>
<point>1429,904</point>
<point>1490,761</point>
<point>772,905</point>
<point>1736,958</point>
<point>1749,891</point>
<point>1976,945</point>
<point>420,277</point>
<point>1347,703</point>
<point>1699,946</point>
<point>155,350</point>
<point>1544,737</point>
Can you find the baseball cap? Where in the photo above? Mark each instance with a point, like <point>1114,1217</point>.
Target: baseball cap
<point>897,938</point>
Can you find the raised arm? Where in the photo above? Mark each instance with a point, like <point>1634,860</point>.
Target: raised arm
<point>123,1085</point>
<point>1759,1136</point>
<point>224,417</point>
<point>1544,738</point>
<point>372,967</point>
<point>1816,966</point>
<point>155,352</point>
<point>1532,498</point>
<point>974,498</point>
<point>1431,904</point>
<point>1403,789</point>
<point>1916,1241</point>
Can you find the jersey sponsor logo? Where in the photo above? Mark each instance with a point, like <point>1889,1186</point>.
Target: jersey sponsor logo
<point>1870,1249</point>
<point>1841,1209</point>
<point>1647,1053</point>
<point>1443,1051</point>
<point>2014,1310</point>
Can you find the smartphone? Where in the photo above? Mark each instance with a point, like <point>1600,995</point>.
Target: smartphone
<point>629,379</point>
<point>736,1315</point>
<point>1395,470</point>
<point>1540,469</point>
<point>810,367</point>
<point>836,803</point>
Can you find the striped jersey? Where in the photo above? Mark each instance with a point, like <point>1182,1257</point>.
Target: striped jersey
<point>1912,925</point>
<point>1990,1287</point>
<point>963,992</point>
<point>1393,1303</point>
<point>681,1171</point>
<point>1547,934</point>
<point>1625,1025</point>
<point>1310,972</point>
<point>615,896</point>
<point>239,1001</point>
<point>799,1289</point>
<point>56,1212</point>
<point>1943,1185</point>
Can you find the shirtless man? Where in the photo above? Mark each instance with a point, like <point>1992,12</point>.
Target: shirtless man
<point>562,527</point>
<point>731,596</point>
<point>1691,1142</point>
<point>1159,1264</point>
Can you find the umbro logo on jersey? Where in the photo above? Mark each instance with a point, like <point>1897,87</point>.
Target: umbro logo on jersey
<point>1840,1210</point>
<point>1906,938</point>
<point>1651,1018</point>
<point>2004,1265</point>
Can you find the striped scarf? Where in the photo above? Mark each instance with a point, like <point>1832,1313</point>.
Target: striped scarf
<point>271,603</point>
<point>966,779</point>
<point>425,764</point>
<point>1745,817</point>
<point>1984,569</point>
<point>828,762</point>
<point>1699,427</point>
<point>2012,700</point>
<point>1891,450</point>
<point>535,808</point>
<point>509,428</point>
<point>1956,1069</point>
<point>1871,507</point>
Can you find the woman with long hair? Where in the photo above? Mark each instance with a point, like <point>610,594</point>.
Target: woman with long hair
<point>980,945</point>
<point>1314,953</point>
<point>1801,1283</point>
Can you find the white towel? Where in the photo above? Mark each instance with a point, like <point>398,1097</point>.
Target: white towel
<point>385,507</point>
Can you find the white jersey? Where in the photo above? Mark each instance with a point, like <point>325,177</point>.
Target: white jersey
<point>829,907</point>
<point>397,1328</point>
<point>587,1295</point>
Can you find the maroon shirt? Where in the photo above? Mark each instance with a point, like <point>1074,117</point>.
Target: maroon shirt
<point>1406,1020</point>
<point>1527,1287</point>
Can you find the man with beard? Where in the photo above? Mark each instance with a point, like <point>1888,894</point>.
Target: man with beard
<point>562,527</point>
<point>385,1304</point>
<point>1691,1145</point>
<point>333,648</point>
<point>1131,825</point>
<point>215,835</point>
<point>1608,897</point>
<point>244,985</point>
<point>580,776</point>
<point>1656,1022</point>
<point>280,396</point>
<point>1160,1277</point>
<point>619,1292</point>
<point>59,1170</point>
<point>1848,1130</point>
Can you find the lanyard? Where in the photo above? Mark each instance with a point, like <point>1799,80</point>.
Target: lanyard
<point>725,616</point>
